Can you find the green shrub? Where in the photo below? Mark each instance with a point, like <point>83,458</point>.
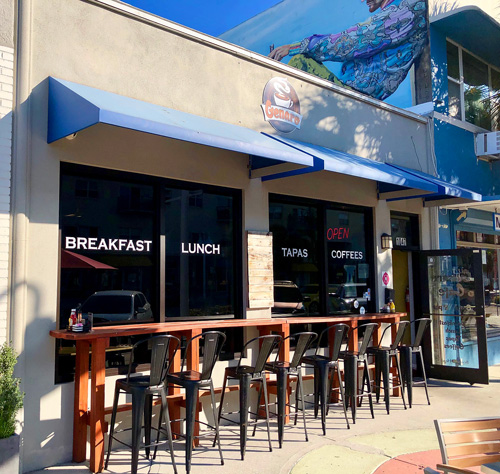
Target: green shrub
<point>11,398</point>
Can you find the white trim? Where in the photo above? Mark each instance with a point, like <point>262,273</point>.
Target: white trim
<point>206,39</point>
<point>470,127</point>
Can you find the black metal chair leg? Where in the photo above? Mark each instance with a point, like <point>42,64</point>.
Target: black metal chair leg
<point>425,377</point>
<point>221,404</point>
<point>351,383</point>
<point>300,387</point>
<point>244,389</point>
<point>137,412</point>
<point>259,398</point>
<point>216,422</point>
<point>342,394</point>
<point>148,413</point>
<point>323,370</point>
<point>378,375</point>
<point>317,383</point>
<point>398,366</point>
<point>112,427</point>
<point>384,367</point>
<point>191,406</point>
<point>281,384</point>
<point>166,417</point>
<point>266,402</point>
<point>407,369</point>
<point>366,378</point>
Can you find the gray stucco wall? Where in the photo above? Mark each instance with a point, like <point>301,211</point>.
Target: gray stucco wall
<point>7,23</point>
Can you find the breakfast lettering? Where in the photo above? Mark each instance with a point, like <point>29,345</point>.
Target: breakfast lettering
<point>93,243</point>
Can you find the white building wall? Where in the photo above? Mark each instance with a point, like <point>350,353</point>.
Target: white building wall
<point>6,105</point>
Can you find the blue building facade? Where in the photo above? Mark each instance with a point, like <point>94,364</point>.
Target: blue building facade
<point>465,67</point>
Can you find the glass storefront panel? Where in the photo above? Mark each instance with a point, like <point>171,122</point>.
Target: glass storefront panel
<point>322,258</point>
<point>295,258</point>
<point>349,275</point>
<point>113,230</point>
<point>452,302</point>
<point>199,249</point>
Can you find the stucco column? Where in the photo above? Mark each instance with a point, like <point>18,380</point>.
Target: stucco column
<point>383,258</point>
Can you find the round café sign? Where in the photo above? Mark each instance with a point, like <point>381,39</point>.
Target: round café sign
<point>281,105</point>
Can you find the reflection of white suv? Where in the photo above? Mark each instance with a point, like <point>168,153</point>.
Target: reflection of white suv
<point>118,306</point>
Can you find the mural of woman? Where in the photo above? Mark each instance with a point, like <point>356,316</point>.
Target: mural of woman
<point>376,55</point>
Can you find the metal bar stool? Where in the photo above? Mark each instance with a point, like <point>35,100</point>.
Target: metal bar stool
<point>246,374</point>
<point>323,365</point>
<point>407,351</point>
<point>383,356</point>
<point>284,370</point>
<point>142,388</point>
<point>352,361</point>
<point>191,380</point>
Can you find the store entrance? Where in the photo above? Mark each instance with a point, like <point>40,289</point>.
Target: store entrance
<point>401,275</point>
<point>452,296</point>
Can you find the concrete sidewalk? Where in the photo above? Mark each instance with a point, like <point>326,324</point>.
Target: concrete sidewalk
<point>403,442</point>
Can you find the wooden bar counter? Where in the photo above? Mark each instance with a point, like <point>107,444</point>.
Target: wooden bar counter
<point>96,342</point>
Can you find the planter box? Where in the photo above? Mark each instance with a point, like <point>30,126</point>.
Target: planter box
<point>9,454</point>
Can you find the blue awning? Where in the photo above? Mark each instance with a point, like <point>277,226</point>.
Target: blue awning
<point>74,107</point>
<point>392,182</point>
<point>446,193</point>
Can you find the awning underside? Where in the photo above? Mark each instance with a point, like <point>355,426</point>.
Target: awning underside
<point>74,107</point>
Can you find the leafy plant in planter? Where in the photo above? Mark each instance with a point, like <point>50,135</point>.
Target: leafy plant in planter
<point>11,397</point>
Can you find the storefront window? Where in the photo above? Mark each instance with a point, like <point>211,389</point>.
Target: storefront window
<point>322,260</point>
<point>199,248</point>
<point>114,229</point>
<point>349,276</point>
<point>295,258</point>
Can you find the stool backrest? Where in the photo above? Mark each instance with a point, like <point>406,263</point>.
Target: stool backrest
<point>163,349</point>
<point>421,326</point>
<point>402,325</point>
<point>340,332</point>
<point>212,342</point>
<point>367,337</point>
<point>303,342</point>
<point>268,344</point>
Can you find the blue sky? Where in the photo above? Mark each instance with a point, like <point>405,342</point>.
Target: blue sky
<point>212,17</point>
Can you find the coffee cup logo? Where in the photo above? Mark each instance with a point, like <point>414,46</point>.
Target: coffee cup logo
<point>281,106</point>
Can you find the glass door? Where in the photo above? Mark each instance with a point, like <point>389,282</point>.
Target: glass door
<point>453,297</point>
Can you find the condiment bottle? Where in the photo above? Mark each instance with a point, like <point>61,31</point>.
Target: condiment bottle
<point>392,306</point>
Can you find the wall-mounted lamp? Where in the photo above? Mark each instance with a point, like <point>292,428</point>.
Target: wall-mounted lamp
<point>386,242</point>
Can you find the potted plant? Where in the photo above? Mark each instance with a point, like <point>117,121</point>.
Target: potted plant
<point>11,401</point>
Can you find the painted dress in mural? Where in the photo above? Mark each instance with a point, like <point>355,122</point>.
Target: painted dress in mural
<point>376,54</point>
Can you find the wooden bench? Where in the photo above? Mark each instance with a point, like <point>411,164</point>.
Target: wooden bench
<point>468,443</point>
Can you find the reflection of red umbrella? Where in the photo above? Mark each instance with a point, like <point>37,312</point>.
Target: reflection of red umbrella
<point>74,260</point>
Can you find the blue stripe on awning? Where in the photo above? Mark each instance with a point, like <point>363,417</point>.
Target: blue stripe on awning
<point>74,107</point>
<point>447,193</point>
<point>395,180</point>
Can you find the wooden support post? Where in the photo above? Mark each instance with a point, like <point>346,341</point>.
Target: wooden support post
<point>97,424</point>
<point>81,401</point>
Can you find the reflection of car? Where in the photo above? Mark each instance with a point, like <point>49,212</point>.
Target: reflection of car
<point>342,298</point>
<point>119,306</point>
<point>352,295</point>
<point>288,299</point>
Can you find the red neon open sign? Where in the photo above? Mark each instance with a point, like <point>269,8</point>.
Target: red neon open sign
<point>337,233</point>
